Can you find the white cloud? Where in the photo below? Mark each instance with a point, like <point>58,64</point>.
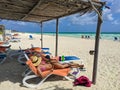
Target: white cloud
<point>116,22</point>
<point>106,11</point>
<point>21,23</point>
<point>109,0</point>
<point>83,20</point>
<point>13,22</point>
<point>108,17</point>
<point>108,14</point>
<point>116,6</point>
<point>24,23</point>
<point>50,22</point>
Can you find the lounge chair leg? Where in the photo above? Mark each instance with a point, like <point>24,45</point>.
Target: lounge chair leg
<point>31,85</point>
<point>68,78</point>
<point>26,72</point>
<point>2,60</point>
<point>15,54</point>
<point>76,72</point>
<point>20,59</point>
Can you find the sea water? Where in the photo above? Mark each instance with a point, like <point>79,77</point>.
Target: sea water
<point>103,35</point>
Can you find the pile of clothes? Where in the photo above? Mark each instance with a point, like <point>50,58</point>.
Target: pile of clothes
<point>82,80</point>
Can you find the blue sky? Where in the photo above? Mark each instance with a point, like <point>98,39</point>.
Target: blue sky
<point>74,23</point>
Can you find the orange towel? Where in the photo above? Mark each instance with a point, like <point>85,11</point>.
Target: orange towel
<point>60,72</point>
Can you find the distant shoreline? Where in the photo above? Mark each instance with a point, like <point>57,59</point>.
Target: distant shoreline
<point>82,32</point>
<point>91,35</point>
<point>103,35</point>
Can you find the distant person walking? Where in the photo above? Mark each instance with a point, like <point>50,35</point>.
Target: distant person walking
<point>115,38</point>
<point>82,36</point>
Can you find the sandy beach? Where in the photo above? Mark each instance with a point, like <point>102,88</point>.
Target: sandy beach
<point>108,74</point>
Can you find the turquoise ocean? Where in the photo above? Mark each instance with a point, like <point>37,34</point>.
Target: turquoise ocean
<point>103,35</point>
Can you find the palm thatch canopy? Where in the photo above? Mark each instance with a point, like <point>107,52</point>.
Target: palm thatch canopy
<point>43,10</point>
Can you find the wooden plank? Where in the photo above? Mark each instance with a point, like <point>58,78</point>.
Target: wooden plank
<point>32,10</point>
<point>10,7</point>
<point>23,3</point>
<point>5,12</point>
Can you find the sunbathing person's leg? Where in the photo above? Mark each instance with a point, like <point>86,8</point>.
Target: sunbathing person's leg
<point>58,65</point>
<point>75,65</point>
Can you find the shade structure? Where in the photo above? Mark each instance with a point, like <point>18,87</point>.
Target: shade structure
<point>43,10</point>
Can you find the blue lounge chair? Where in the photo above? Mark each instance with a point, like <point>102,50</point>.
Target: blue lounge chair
<point>2,57</point>
<point>30,37</point>
<point>69,59</point>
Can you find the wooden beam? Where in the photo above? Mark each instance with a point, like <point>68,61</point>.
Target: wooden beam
<point>32,10</point>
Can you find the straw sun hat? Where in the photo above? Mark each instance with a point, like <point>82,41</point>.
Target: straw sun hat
<point>36,60</point>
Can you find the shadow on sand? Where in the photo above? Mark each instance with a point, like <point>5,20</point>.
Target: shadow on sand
<point>11,70</point>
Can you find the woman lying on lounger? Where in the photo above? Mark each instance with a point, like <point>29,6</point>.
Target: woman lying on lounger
<point>44,62</point>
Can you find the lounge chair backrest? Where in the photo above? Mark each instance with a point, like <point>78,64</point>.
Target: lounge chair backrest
<point>3,49</point>
<point>32,67</point>
<point>30,64</point>
<point>1,42</point>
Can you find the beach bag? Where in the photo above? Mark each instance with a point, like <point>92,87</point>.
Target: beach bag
<point>82,80</point>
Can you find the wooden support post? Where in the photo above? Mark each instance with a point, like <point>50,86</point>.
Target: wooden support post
<point>2,32</point>
<point>95,63</point>
<point>56,49</point>
<point>41,35</point>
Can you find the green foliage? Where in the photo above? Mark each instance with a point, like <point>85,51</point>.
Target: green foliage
<point>1,32</point>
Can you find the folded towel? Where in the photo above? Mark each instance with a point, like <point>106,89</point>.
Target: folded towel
<point>71,58</point>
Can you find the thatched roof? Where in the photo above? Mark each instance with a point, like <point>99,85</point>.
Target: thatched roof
<point>43,10</point>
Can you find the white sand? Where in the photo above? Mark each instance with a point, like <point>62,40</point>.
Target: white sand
<point>108,76</point>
